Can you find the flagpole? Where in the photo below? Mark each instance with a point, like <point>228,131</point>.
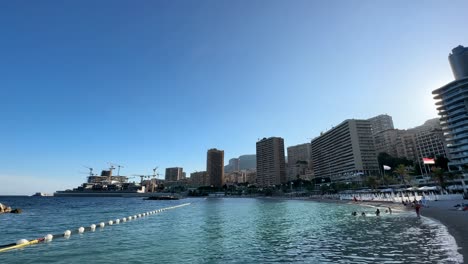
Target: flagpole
<point>421,168</point>
<point>383,172</point>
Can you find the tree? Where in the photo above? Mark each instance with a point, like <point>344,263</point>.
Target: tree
<point>401,171</point>
<point>386,159</point>
<point>442,162</point>
<point>372,182</point>
<point>438,175</point>
<point>388,180</point>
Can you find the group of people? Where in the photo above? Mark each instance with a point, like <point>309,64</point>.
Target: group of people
<point>377,212</point>
<point>415,204</point>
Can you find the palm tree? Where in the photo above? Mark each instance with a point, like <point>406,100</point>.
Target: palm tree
<point>403,173</point>
<point>388,180</point>
<point>372,182</point>
<point>438,175</point>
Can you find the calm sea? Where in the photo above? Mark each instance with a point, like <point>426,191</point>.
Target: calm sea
<point>220,231</point>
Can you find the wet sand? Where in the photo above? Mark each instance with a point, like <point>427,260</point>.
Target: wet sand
<point>442,211</point>
<point>456,221</point>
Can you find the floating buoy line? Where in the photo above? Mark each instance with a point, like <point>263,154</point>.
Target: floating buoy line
<point>67,233</point>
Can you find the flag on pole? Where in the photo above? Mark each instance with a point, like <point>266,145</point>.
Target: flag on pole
<point>428,161</point>
<point>385,167</point>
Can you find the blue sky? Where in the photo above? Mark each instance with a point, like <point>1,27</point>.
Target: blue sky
<point>158,83</point>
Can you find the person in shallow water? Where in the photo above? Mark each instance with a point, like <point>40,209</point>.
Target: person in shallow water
<point>417,207</point>
<point>353,213</point>
<point>377,212</point>
<point>363,214</point>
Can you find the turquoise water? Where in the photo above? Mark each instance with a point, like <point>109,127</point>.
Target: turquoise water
<point>221,231</point>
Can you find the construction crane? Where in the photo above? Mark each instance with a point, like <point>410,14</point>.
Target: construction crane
<point>90,173</point>
<point>90,170</point>
<point>154,180</point>
<point>113,166</point>
<point>142,177</point>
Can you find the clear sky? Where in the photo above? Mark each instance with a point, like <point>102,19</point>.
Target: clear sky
<point>158,83</point>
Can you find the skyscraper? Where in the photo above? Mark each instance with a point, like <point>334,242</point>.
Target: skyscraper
<point>459,62</point>
<point>452,104</point>
<point>271,165</point>
<point>215,167</point>
<point>345,153</point>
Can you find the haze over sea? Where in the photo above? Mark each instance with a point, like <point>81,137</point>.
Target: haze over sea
<point>221,231</point>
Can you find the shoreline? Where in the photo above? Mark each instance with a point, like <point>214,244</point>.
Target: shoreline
<point>440,211</point>
<point>455,221</point>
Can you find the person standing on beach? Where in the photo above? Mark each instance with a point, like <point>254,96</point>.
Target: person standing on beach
<point>417,207</point>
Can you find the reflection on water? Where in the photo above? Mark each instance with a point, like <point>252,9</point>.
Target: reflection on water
<point>223,231</point>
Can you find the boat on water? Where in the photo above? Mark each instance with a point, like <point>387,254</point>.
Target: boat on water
<point>4,209</point>
<point>40,194</point>
<point>164,198</point>
<point>107,185</point>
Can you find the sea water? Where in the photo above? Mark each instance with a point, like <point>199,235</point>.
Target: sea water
<point>220,230</point>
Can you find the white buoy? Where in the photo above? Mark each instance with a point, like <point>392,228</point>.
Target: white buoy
<point>124,219</point>
<point>111,222</point>
<point>48,237</point>
<point>139,215</point>
<point>67,233</point>
<point>93,227</point>
<point>129,218</point>
<point>81,230</point>
<point>102,224</point>
<point>135,217</point>
<point>117,221</point>
<point>21,241</point>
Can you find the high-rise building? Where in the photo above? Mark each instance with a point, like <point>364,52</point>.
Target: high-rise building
<point>174,174</point>
<point>459,62</point>
<point>345,152</point>
<point>232,166</point>
<point>199,178</point>
<point>396,142</point>
<point>248,162</point>
<point>244,162</point>
<point>429,140</point>
<point>299,153</point>
<point>271,165</point>
<point>381,123</point>
<point>299,161</point>
<point>452,104</point>
<point>431,144</point>
<point>215,167</point>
